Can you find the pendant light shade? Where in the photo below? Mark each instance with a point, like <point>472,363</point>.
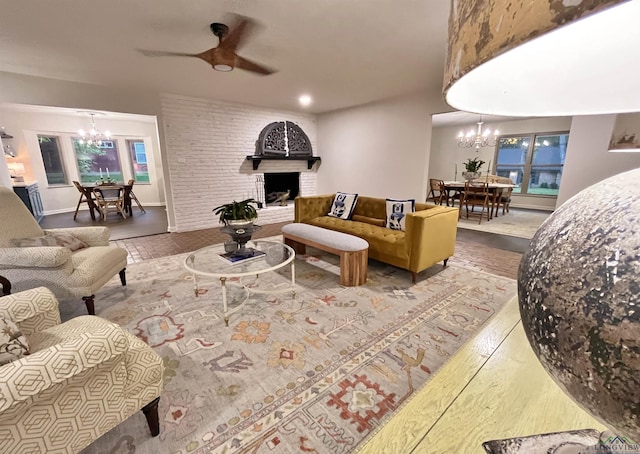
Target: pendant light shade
<point>543,58</point>
<point>625,137</point>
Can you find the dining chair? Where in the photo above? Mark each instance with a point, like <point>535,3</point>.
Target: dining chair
<point>110,199</point>
<point>435,191</point>
<point>476,194</point>
<point>504,201</point>
<point>448,196</point>
<point>132,196</point>
<point>84,197</point>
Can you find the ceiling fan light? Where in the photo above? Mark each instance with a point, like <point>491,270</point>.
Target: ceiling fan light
<point>222,67</point>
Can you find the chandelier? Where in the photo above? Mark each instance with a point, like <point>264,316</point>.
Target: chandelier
<point>478,138</point>
<point>94,136</point>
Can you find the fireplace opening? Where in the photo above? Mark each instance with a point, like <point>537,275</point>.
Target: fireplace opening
<point>276,186</point>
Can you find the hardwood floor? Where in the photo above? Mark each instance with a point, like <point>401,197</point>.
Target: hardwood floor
<point>152,222</point>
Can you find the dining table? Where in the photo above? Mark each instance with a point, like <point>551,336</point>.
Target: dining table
<point>495,189</point>
<point>91,201</point>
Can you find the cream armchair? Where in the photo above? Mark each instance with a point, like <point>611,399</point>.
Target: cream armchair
<point>82,378</point>
<point>66,273</point>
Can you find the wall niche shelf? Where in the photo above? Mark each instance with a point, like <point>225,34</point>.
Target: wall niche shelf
<point>256,160</point>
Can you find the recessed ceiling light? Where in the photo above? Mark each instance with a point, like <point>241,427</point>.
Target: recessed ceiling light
<point>304,100</point>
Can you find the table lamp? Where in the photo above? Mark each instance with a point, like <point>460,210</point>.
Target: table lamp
<point>16,170</point>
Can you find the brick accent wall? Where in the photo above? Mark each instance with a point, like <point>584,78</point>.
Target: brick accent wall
<point>207,142</point>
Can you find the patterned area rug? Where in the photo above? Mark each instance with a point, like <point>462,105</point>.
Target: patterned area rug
<point>316,373</point>
<point>517,222</point>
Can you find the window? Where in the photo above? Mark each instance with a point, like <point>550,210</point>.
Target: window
<point>52,159</point>
<point>95,162</point>
<point>138,155</point>
<point>534,162</point>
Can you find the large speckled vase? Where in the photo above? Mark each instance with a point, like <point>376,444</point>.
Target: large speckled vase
<point>579,293</point>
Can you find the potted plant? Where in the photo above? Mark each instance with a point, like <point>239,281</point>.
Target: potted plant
<point>238,218</point>
<point>472,167</point>
<point>237,213</point>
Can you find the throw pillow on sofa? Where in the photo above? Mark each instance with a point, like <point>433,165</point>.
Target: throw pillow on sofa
<point>343,205</point>
<point>13,344</point>
<point>397,212</point>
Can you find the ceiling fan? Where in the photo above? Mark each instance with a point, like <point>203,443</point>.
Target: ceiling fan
<point>224,56</point>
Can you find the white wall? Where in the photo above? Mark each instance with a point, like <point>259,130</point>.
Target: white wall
<point>379,149</point>
<point>588,160</point>
<point>445,153</point>
<point>25,127</point>
<point>207,145</point>
<point>5,177</point>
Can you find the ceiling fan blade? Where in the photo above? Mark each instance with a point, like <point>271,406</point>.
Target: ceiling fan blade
<point>238,34</point>
<point>163,53</point>
<point>243,63</point>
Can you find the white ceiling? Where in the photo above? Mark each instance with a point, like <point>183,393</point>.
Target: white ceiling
<point>459,118</point>
<point>342,53</point>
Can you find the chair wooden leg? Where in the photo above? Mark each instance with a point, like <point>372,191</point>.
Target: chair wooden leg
<point>151,413</point>
<point>88,300</point>
<point>445,261</point>
<point>414,276</point>
<point>123,276</point>
<point>133,197</point>
<point>75,215</point>
<point>6,286</point>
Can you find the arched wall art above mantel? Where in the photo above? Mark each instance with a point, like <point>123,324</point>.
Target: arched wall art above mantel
<point>283,140</point>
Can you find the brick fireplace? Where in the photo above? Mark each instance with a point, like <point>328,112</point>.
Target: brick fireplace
<point>207,143</point>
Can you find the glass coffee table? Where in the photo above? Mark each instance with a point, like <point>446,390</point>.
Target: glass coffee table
<point>269,256</point>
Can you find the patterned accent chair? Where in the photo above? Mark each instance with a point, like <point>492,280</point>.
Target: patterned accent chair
<point>82,378</point>
<point>66,273</point>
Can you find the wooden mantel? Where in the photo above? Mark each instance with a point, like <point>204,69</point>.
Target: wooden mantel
<point>256,160</point>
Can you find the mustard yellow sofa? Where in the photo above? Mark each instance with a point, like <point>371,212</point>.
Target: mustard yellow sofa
<point>430,234</point>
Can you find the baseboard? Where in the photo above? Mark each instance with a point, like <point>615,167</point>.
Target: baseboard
<point>86,208</point>
<point>532,207</point>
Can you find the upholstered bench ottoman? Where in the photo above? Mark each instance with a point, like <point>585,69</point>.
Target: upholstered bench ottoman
<point>353,251</point>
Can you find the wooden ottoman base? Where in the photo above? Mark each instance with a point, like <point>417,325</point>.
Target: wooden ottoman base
<point>353,264</point>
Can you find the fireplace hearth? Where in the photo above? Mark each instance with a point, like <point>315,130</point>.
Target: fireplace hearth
<point>276,186</point>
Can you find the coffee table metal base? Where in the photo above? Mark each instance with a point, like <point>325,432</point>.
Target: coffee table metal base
<point>249,291</point>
